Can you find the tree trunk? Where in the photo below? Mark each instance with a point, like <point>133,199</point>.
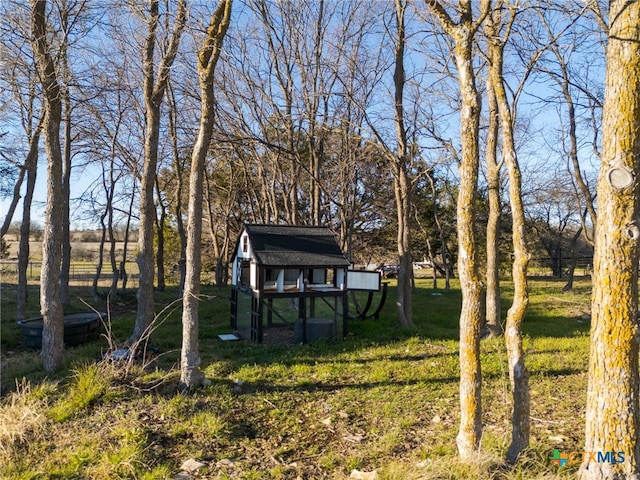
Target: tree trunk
<point>115,272</point>
<point>125,244</point>
<point>145,259</point>
<point>492,301</point>
<point>470,432</point>
<point>65,296</point>
<point>179,167</point>
<point>160,224</point>
<point>50,303</point>
<point>31,167</point>
<point>191,375</point>
<point>153,94</point>
<point>518,374</point>
<point>612,415</point>
<point>401,181</point>
<point>573,262</point>
<point>405,268</point>
<point>95,293</point>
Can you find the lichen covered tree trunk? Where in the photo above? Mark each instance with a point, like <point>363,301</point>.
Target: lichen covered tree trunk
<point>518,373</point>
<point>470,431</point>
<point>471,319</point>
<point>612,417</point>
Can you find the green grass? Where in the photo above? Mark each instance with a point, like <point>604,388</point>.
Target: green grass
<point>383,399</point>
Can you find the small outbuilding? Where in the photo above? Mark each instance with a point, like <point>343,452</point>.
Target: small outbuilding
<point>289,276</point>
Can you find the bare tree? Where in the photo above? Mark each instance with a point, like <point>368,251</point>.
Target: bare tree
<point>179,169</point>
<point>493,314</point>
<point>401,180</point>
<point>518,374</point>
<point>399,161</point>
<point>462,33</point>
<point>553,217</point>
<point>222,193</point>
<point>68,14</point>
<point>19,86</point>
<point>153,91</point>
<point>208,56</point>
<point>50,302</point>
<point>105,134</point>
<point>288,119</point>
<point>613,410</point>
<point>31,166</point>
<point>580,102</point>
<point>111,124</point>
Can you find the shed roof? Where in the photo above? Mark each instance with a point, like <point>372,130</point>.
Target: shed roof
<point>295,245</point>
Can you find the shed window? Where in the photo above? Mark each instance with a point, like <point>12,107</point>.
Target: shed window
<point>245,276</point>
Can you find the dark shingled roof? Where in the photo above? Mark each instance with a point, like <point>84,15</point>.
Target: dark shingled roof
<point>295,245</point>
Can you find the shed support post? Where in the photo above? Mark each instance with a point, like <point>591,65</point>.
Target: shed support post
<point>345,314</point>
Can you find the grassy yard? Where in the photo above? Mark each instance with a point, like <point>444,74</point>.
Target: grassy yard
<point>383,399</point>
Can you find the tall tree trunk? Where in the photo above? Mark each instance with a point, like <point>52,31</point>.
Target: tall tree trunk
<point>179,167</point>
<point>492,301</point>
<point>50,303</point>
<point>518,374</point>
<point>470,431</point>
<point>401,180</point>
<point>31,167</point>
<point>145,259</point>
<point>612,415</point>
<point>316,138</point>
<point>468,439</point>
<point>190,373</point>
<point>65,296</point>
<point>153,89</point>
<point>67,109</point>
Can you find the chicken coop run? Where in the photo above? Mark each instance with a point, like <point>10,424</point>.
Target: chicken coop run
<point>289,283</point>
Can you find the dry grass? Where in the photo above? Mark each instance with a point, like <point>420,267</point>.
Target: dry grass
<point>22,415</point>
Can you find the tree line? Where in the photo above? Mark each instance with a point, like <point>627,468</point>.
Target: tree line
<point>462,131</point>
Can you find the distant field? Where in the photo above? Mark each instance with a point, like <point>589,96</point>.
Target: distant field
<point>80,251</point>
<point>84,263</point>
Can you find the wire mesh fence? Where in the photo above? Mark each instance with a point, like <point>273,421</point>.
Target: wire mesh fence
<point>81,274</point>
